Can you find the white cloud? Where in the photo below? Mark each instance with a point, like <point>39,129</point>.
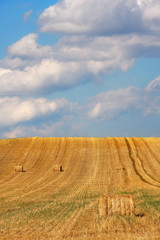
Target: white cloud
<point>154,85</point>
<point>151,10</point>
<point>92,16</point>
<point>45,77</point>
<point>112,40</point>
<point>64,118</point>
<point>31,68</point>
<point>111,104</point>
<point>31,131</point>
<point>27,15</point>
<point>14,133</point>
<point>142,3</point>
<point>25,52</point>
<point>67,125</point>
<point>28,47</point>
<point>15,110</point>
<point>96,110</point>
<point>101,17</point>
<point>4,71</point>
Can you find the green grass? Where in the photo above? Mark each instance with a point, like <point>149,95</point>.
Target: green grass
<point>56,208</point>
<point>147,201</point>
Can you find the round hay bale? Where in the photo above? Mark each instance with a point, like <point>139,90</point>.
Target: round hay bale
<point>119,167</point>
<point>129,206</point>
<point>57,168</point>
<point>117,206</point>
<point>109,206</point>
<point>18,169</point>
<point>120,205</point>
<point>103,206</point>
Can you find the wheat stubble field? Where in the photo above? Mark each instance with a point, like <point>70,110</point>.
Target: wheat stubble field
<point>41,203</point>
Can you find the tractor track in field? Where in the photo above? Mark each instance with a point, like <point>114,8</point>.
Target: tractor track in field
<point>138,165</point>
<point>149,163</point>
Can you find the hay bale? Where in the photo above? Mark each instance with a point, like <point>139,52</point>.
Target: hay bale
<point>120,205</point>
<point>57,168</point>
<point>109,206</point>
<point>119,167</point>
<point>18,169</point>
<point>116,205</point>
<point>103,206</point>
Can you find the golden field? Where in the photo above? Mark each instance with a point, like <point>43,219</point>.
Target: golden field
<point>41,203</point>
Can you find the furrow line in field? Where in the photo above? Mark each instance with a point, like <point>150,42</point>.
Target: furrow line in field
<point>149,146</point>
<point>109,164</point>
<point>114,178</point>
<point>137,164</point>
<point>149,164</point>
<point>64,179</point>
<point>14,157</point>
<point>21,179</point>
<point>41,171</point>
<point>125,172</point>
<point>71,222</point>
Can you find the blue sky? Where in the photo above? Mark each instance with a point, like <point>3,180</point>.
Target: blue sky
<point>79,68</point>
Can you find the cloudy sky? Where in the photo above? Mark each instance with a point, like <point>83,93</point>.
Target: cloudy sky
<point>87,68</point>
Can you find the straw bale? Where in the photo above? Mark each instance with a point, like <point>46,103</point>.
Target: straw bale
<point>116,205</point>
<point>57,168</point>
<point>109,206</point>
<point>119,167</point>
<point>102,206</point>
<point>18,168</point>
<point>120,205</point>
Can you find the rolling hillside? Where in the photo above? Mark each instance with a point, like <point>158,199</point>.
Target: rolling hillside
<point>40,203</point>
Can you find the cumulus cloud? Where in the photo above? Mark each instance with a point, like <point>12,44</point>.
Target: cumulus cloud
<point>42,78</point>
<point>34,69</point>
<point>71,119</point>
<point>154,85</point>
<point>68,125</point>
<point>27,15</point>
<point>115,34</point>
<point>111,104</point>
<point>15,110</point>
<point>92,17</point>
<point>25,52</point>
<point>151,10</point>
<point>27,47</point>
<point>49,130</point>
<point>101,17</point>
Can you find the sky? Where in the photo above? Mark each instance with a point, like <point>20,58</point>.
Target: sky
<point>84,68</point>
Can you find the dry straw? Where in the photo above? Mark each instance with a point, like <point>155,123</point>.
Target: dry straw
<point>102,206</point>
<point>57,168</point>
<point>116,205</point>
<point>119,167</point>
<point>18,169</point>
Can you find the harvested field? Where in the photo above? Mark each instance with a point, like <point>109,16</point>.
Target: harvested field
<point>46,204</point>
